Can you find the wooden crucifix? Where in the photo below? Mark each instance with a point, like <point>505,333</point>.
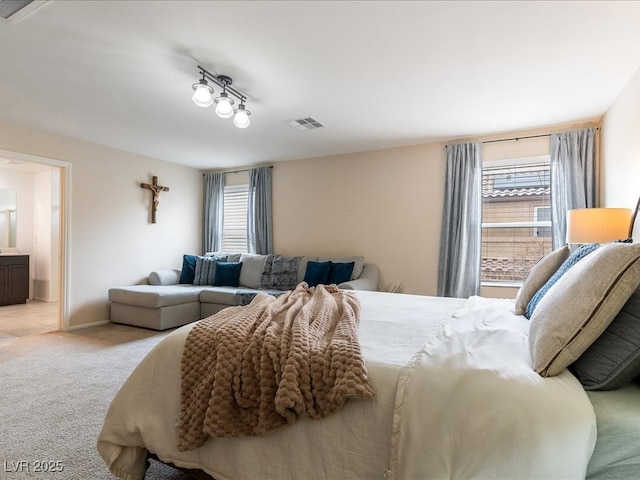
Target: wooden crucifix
<point>155,190</point>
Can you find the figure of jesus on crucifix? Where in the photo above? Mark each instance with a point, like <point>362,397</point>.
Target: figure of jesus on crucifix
<point>155,190</point>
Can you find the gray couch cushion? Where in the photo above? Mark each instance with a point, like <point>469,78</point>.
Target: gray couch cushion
<point>155,296</point>
<point>221,295</point>
<point>156,318</point>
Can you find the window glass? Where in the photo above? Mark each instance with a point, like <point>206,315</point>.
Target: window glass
<point>516,219</point>
<point>234,228</point>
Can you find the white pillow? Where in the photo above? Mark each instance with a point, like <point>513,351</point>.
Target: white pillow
<point>252,268</point>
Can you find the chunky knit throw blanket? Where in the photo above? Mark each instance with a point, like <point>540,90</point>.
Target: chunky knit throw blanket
<point>248,370</point>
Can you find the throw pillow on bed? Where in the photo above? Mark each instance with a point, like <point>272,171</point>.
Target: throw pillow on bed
<point>581,305</point>
<point>571,260</point>
<point>538,276</point>
<point>613,360</point>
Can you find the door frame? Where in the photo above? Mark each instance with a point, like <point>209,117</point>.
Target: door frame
<point>64,241</point>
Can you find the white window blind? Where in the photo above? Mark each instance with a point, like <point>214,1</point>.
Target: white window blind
<point>516,220</point>
<point>234,228</point>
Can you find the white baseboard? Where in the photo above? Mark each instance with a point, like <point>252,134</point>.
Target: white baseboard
<point>87,325</point>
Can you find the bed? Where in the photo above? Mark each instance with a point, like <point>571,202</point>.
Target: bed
<point>457,395</point>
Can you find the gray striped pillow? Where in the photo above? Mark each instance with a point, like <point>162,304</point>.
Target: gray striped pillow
<point>205,270</point>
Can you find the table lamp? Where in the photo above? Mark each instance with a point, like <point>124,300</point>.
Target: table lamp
<point>597,225</point>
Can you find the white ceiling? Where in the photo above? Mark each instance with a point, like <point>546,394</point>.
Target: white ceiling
<point>378,74</point>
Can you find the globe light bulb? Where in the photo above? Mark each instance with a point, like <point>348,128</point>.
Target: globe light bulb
<point>224,108</point>
<point>202,94</point>
<point>241,120</point>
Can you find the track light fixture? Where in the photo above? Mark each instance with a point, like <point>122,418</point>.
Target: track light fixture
<point>224,103</point>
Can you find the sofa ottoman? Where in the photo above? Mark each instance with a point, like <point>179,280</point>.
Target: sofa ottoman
<point>158,307</point>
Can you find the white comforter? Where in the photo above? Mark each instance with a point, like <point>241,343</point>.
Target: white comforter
<point>456,397</point>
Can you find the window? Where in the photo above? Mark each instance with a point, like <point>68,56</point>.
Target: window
<point>542,214</point>
<point>234,227</point>
<point>516,218</point>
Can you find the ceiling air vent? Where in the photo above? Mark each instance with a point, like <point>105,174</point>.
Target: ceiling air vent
<point>303,124</point>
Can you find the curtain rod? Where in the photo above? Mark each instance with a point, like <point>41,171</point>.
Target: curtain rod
<point>521,138</point>
<point>240,171</point>
<point>516,138</point>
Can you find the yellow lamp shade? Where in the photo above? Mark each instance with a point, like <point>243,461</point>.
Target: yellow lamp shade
<point>598,225</point>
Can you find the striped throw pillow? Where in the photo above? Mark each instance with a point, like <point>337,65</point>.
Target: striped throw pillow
<point>205,270</point>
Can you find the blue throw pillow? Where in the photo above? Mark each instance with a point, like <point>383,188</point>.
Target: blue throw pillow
<point>340,272</point>
<point>188,268</point>
<point>573,258</point>
<point>227,274</point>
<point>317,273</point>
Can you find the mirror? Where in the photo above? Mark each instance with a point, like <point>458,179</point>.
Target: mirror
<point>8,218</point>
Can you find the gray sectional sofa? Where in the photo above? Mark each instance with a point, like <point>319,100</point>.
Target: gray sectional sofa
<point>205,285</point>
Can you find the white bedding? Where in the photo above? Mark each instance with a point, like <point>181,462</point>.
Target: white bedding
<point>456,397</point>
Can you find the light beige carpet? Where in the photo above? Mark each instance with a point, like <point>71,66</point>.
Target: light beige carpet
<point>55,389</point>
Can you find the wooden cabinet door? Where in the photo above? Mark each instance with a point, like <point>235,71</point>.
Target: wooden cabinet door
<point>14,279</point>
<point>4,284</point>
<point>19,283</point>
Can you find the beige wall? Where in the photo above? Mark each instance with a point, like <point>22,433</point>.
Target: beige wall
<point>525,147</point>
<point>385,205</point>
<point>620,149</point>
<point>112,240</point>
<point>42,255</point>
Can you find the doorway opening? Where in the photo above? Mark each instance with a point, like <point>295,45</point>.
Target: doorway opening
<point>41,230</point>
